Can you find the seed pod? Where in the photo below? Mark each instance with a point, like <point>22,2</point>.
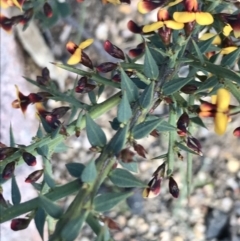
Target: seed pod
<point>173,187</point>
<point>19,224</point>
<point>113,50</point>
<point>189,89</point>
<point>33,177</point>
<point>106,67</point>
<point>29,158</point>
<point>8,170</point>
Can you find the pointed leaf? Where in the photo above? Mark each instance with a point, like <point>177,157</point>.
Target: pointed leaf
<point>95,134</point>
<point>107,201</point>
<point>48,179</point>
<point>56,131</point>
<point>124,109</point>
<point>205,45</point>
<point>39,132</point>
<point>75,169</point>
<point>16,195</point>
<point>234,89</point>
<point>150,67</point>
<point>40,221</point>
<point>198,121</point>
<point>43,150</point>
<point>118,141</point>
<point>230,59</point>
<point>128,86</point>
<point>60,148</point>
<point>147,96</point>
<point>89,173</point>
<point>207,84</point>
<point>165,126</point>
<point>174,85</point>
<point>160,157</point>
<point>143,129</point>
<point>123,178</point>
<point>131,166</point>
<point>93,98</point>
<point>198,52</point>
<point>185,148</point>
<point>12,141</point>
<point>50,207</point>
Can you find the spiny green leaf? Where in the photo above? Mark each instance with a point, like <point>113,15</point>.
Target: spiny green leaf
<point>128,86</point>
<point>40,221</point>
<point>124,109</point>
<point>143,129</point>
<point>89,173</point>
<point>147,96</point>
<point>174,85</point>
<point>16,195</point>
<point>123,178</point>
<point>107,201</point>
<point>50,207</point>
<point>150,67</point>
<point>118,141</point>
<point>95,134</point>
<point>75,169</point>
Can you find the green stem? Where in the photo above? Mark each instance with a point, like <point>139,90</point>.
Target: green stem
<point>189,155</point>
<point>54,195</point>
<point>171,145</point>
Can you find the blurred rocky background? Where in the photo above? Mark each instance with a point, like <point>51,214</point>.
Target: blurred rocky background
<point>212,212</point>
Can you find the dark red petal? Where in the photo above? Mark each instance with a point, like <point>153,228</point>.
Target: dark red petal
<point>47,9</point>
<point>236,132</point>
<point>8,170</point>
<point>133,27</point>
<point>6,23</point>
<point>189,89</point>
<point>126,1</point>
<point>86,61</point>
<point>173,187</point>
<point>133,53</point>
<point>60,111</point>
<point>194,144</point>
<point>106,67</point>
<point>29,159</point>
<point>182,124</point>
<point>34,98</point>
<point>33,177</point>
<point>19,224</point>
<point>113,50</point>
<point>165,35</point>
<point>188,27</point>
<point>71,47</point>
<point>116,78</point>
<point>150,5</point>
<point>140,150</point>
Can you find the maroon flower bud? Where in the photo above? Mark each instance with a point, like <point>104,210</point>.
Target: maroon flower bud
<point>6,151</point>
<point>106,67</point>
<point>19,224</point>
<point>116,78</point>
<point>173,187</point>
<point>154,133</point>
<point>86,61</point>
<point>194,145</point>
<point>126,1</point>
<point>165,35</point>
<point>236,132</point>
<point>8,170</point>
<point>47,9</point>
<point>133,27</point>
<point>6,23</point>
<point>110,223</point>
<point>140,150</point>
<point>182,124</point>
<point>41,80</point>
<point>113,50</point>
<point>46,73</point>
<point>137,51</point>
<point>33,177</point>
<point>29,158</point>
<point>189,89</point>
<point>148,6</point>
<point>188,27</point>
<point>34,98</point>
<point>17,19</point>
<point>126,155</point>
<point>153,189</point>
<point>83,87</point>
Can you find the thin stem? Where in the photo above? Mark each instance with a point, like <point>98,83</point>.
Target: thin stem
<point>172,138</point>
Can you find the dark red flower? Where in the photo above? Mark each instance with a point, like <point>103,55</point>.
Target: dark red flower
<point>133,27</point>
<point>47,9</point>
<point>194,145</point>
<point>140,150</point>
<point>113,50</point>
<point>182,124</point>
<point>19,224</point>
<point>236,132</point>
<point>189,89</point>
<point>110,223</point>
<point>29,158</point>
<point>106,67</point>
<point>83,86</point>
<point>6,23</point>
<point>126,155</point>
<point>173,187</point>
<point>8,170</point>
<point>33,177</point>
<point>153,189</point>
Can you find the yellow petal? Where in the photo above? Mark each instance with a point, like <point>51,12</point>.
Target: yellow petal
<point>76,57</point>
<point>227,30</point>
<point>223,100</point>
<point>173,24</point>
<point>220,123</point>
<point>16,3</point>
<point>214,99</point>
<point>152,27</point>
<point>216,40</point>
<point>204,18</point>
<point>228,50</point>
<point>174,3</point>
<point>184,17</point>
<point>4,4</point>
<point>86,43</point>
<point>114,1</point>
